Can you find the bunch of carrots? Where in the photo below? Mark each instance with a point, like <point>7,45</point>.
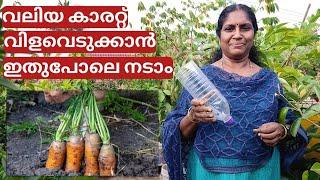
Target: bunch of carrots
<point>99,159</point>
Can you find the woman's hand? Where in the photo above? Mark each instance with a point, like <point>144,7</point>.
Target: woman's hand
<point>271,133</point>
<point>199,112</point>
<point>58,96</point>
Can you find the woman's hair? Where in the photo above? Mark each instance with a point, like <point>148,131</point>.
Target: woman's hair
<point>253,54</point>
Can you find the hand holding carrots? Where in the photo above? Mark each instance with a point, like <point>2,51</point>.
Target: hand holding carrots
<point>60,96</point>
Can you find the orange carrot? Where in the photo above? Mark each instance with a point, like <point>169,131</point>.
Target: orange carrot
<point>107,157</point>
<point>75,151</point>
<point>75,145</point>
<point>92,147</point>
<point>56,155</point>
<point>107,160</point>
<point>57,150</point>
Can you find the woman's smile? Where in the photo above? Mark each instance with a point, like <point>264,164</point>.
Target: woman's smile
<point>238,45</point>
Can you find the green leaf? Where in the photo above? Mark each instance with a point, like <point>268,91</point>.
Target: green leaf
<point>314,17</point>
<point>136,115</point>
<point>168,107</point>
<point>292,95</point>
<point>305,92</point>
<point>315,147</point>
<point>163,15</point>
<point>294,127</point>
<point>313,176</point>
<point>283,114</point>
<point>161,96</point>
<point>285,84</point>
<point>314,135</point>
<point>167,92</point>
<point>158,4</point>
<point>191,14</point>
<point>8,84</point>
<point>141,6</point>
<point>152,9</point>
<point>305,175</point>
<point>317,90</point>
<point>312,129</point>
<point>311,111</point>
<point>316,168</point>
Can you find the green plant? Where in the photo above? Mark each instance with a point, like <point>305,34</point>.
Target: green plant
<point>296,93</point>
<point>29,127</point>
<point>65,121</point>
<point>3,153</point>
<point>3,163</point>
<point>305,88</point>
<point>65,3</point>
<point>291,51</point>
<point>3,94</point>
<point>25,127</point>
<point>313,173</point>
<point>113,102</point>
<point>4,82</point>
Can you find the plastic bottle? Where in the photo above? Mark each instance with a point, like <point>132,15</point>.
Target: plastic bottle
<point>200,87</point>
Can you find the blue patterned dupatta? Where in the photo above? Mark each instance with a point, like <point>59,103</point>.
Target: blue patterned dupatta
<point>253,102</point>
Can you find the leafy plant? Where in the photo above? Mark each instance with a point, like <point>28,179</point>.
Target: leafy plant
<point>291,51</point>
<point>296,94</point>
<point>293,54</point>
<point>312,173</point>
<point>2,133</point>
<point>4,82</point>
<point>3,95</point>
<point>27,127</point>
<point>3,163</point>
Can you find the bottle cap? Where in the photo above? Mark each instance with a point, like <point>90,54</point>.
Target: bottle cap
<point>229,121</point>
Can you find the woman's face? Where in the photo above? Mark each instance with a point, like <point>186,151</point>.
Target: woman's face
<point>237,35</point>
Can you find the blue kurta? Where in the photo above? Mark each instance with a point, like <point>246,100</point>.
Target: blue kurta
<point>253,101</point>
<point>271,170</point>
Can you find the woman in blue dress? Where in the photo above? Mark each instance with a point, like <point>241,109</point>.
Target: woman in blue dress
<point>197,146</point>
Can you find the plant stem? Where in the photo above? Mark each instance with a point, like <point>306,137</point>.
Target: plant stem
<point>78,113</point>
<point>65,121</point>
<point>61,128</point>
<point>285,63</point>
<point>293,106</point>
<point>272,45</point>
<point>91,116</point>
<point>313,123</point>
<point>100,124</point>
<point>139,102</point>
